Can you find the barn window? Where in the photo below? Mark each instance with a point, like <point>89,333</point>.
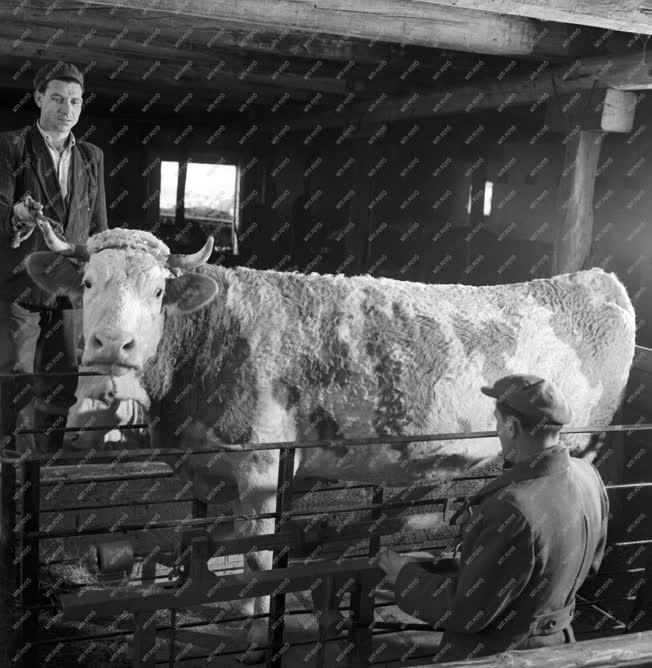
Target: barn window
<point>488,194</point>
<point>198,199</point>
<point>168,191</point>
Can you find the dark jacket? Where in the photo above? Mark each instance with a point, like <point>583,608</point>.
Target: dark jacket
<point>532,537</point>
<point>26,166</point>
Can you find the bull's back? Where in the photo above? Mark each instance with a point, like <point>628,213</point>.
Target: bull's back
<point>365,356</point>
<point>379,356</point>
<point>420,352</point>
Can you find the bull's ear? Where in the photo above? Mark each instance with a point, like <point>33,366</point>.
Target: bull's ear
<point>56,274</point>
<point>190,292</point>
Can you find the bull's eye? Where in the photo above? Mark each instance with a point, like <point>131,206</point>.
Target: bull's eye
<point>158,293</point>
<point>87,284</point>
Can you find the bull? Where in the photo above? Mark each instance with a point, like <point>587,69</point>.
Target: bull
<point>238,355</point>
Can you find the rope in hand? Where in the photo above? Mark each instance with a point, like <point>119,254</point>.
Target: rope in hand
<point>23,227</point>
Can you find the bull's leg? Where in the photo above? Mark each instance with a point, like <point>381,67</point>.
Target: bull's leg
<point>259,497</point>
<point>257,476</point>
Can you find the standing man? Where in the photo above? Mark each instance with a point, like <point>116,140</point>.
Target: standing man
<point>65,181</point>
<point>531,537</point>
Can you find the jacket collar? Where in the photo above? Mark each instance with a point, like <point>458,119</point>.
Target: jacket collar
<point>70,141</point>
<point>46,174</point>
<point>552,460</point>
<point>48,178</point>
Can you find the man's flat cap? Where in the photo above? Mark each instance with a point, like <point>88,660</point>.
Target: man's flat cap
<point>532,397</point>
<point>58,70</point>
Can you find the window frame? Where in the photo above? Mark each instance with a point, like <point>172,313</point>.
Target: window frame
<point>211,158</point>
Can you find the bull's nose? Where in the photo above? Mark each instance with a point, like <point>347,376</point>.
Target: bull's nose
<point>113,345</point>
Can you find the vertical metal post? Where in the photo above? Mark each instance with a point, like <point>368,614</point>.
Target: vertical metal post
<point>199,508</point>
<point>198,569</point>
<point>29,558</point>
<point>8,579</point>
<point>144,640</point>
<point>328,604</point>
<point>363,599</point>
<point>173,638</point>
<point>277,604</point>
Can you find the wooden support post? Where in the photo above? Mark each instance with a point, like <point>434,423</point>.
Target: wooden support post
<point>280,560</point>
<point>359,243</point>
<point>575,201</point>
<point>363,599</point>
<point>29,558</point>
<point>584,118</point>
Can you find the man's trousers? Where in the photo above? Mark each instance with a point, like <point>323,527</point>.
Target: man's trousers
<point>34,341</point>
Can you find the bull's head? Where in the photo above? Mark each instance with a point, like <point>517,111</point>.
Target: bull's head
<point>125,280</point>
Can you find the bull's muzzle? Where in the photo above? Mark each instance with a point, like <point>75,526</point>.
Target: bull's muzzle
<point>112,351</point>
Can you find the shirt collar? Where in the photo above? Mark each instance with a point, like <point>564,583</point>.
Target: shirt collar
<point>70,141</point>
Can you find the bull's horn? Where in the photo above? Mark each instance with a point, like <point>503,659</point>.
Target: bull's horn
<point>193,259</point>
<point>60,246</point>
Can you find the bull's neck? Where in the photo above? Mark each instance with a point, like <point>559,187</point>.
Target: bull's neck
<point>190,346</point>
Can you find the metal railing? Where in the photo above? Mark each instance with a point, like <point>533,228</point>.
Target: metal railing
<point>21,481</point>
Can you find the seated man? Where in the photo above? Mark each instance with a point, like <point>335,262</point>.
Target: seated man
<point>532,536</point>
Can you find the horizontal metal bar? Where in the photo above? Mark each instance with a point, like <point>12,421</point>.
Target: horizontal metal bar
<point>183,625</point>
<point>407,626</point>
<point>626,543</point>
<point>38,374</point>
<point>584,603</point>
<point>120,427</point>
<point>157,579</point>
<point>142,475</point>
<point>130,504</point>
<point>225,519</point>
<point>123,504</point>
<point>629,485</point>
<point>326,443</point>
<point>299,577</point>
<point>201,521</point>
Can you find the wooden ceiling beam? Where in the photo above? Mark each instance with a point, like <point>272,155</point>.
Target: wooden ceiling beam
<point>190,68</point>
<point>140,103</point>
<point>155,92</point>
<point>40,39</point>
<point>211,44</point>
<point>634,16</point>
<point>201,33</point>
<point>534,89</point>
<point>400,21</point>
<point>143,40</point>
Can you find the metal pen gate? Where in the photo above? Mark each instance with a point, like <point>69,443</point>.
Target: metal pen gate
<point>20,515</point>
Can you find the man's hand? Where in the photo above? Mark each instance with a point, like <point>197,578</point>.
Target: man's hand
<point>391,563</point>
<point>27,208</point>
<point>26,214</point>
